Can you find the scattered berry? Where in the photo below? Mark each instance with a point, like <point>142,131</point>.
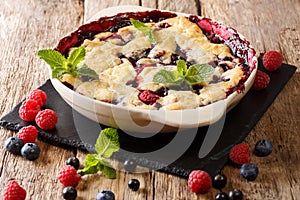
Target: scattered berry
<point>240,154</point>
<point>14,145</point>
<point>73,161</point>
<point>39,93</point>
<point>69,193</point>
<point>68,176</point>
<point>36,97</point>
<point>261,80</point>
<point>148,97</point>
<point>272,60</point>
<point>28,134</point>
<point>199,181</point>
<point>29,109</point>
<point>46,119</point>
<point>263,148</point>
<point>105,195</point>
<point>222,196</point>
<point>249,171</point>
<point>235,194</point>
<point>13,191</point>
<point>30,151</point>
<point>130,165</point>
<point>134,184</point>
<point>219,181</point>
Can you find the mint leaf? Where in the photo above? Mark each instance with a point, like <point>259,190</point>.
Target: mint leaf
<point>77,55</point>
<point>108,170</point>
<point>91,165</point>
<point>165,76</point>
<point>53,58</point>
<point>144,28</point>
<point>198,73</point>
<point>107,142</point>
<point>84,70</point>
<point>181,67</point>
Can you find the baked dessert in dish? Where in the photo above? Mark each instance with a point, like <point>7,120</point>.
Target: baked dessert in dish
<point>160,60</point>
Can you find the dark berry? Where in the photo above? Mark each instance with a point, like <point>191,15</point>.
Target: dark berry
<point>235,194</point>
<point>105,195</point>
<point>249,171</point>
<point>222,196</point>
<point>130,165</point>
<point>14,145</point>
<point>69,193</point>
<point>263,148</point>
<point>73,161</point>
<point>30,151</point>
<point>134,184</point>
<point>219,181</point>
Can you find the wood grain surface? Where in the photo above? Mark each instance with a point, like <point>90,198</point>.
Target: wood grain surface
<point>27,26</point>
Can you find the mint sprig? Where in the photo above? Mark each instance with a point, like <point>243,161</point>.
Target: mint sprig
<point>195,74</point>
<point>145,29</point>
<point>106,144</point>
<point>61,65</point>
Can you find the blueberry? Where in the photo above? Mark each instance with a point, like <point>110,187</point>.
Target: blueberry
<point>105,195</point>
<point>130,165</point>
<point>235,194</point>
<point>30,151</point>
<point>69,193</point>
<point>222,196</point>
<point>249,171</point>
<point>134,184</point>
<point>263,148</point>
<point>219,181</point>
<point>73,161</point>
<point>14,145</point>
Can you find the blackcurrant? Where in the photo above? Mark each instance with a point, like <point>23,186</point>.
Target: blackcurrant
<point>69,193</point>
<point>219,181</point>
<point>222,196</point>
<point>73,161</point>
<point>134,184</point>
<point>235,194</point>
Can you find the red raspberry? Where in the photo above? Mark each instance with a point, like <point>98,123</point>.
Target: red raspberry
<point>148,97</point>
<point>199,181</point>
<point>68,176</point>
<point>13,191</point>
<point>29,109</point>
<point>46,119</point>
<point>28,134</point>
<point>240,154</point>
<point>272,60</point>
<point>261,80</point>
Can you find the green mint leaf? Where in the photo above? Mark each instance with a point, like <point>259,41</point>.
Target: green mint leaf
<point>51,57</point>
<point>91,165</point>
<point>58,71</point>
<point>144,28</point>
<point>84,70</point>
<point>107,142</point>
<point>77,55</point>
<point>108,170</point>
<point>165,76</point>
<point>198,73</point>
<point>181,67</point>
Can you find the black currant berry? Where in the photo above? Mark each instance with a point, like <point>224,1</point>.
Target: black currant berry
<point>73,161</point>
<point>219,181</point>
<point>134,184</point>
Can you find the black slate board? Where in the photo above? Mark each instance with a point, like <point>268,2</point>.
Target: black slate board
<point>173,153</point>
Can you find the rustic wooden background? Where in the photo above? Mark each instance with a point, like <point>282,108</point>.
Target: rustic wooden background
<point>30,25</point>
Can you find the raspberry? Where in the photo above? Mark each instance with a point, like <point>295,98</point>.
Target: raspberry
<point>28,134</point>
<point>199,181</point>
<point>46,119</point>
<point>148,97</point>
<point>68,176</point>
<point>29,109</point>
<point>261,80</point>
<point>13,191</point>
<point>272,60</point>
<point>240,154</point>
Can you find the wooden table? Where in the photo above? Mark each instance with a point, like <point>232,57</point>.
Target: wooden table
<point>27,26</point>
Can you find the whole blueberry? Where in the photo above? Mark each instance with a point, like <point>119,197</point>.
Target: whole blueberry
<point>219,181</point>
<point>235,194</point>
<point>105,195</point>
<point>249,171</point>
<point>222,196</point>
<point>130,165</point>
<point>263,148</point>
<point>134,184</point>
<point>73,161</point>
<point>30,151</point>
<point>14,145</point>
<point>69,193</point>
